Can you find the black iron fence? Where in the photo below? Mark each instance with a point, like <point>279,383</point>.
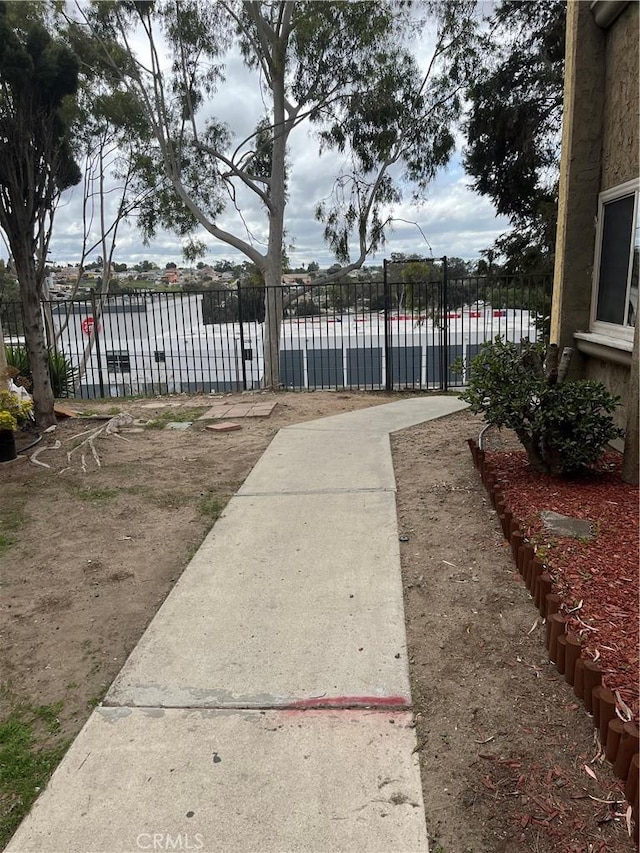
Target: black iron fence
<point>397,332</point>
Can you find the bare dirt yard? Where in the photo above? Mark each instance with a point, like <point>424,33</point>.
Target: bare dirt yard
<point>508,755</point>
<point>87,557</point>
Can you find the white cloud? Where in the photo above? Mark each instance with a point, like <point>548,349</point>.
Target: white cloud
<point>454,220</point>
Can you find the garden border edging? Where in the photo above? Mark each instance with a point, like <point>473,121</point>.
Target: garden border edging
<point>619,740</point>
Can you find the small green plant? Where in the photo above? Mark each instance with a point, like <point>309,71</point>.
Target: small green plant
<point>564,426</point>
<point>94,494</point>
<point>209,506</point>
<point>176,416</point>
<point>61,371</point>
<point>62,374</point>
<point>27,759</point>
<point>6,541</point>
<point>13,410</point>
<point>18,359</point>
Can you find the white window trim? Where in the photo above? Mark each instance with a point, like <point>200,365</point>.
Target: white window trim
<point>615,350</point>
<point>612,331</point>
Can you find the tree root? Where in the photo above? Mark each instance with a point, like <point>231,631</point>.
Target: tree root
<point>110,428</point>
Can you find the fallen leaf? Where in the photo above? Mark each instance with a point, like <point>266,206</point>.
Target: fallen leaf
<point>624,712</point>
<point>590,772</point>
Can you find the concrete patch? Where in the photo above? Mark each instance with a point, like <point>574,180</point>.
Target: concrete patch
<point>179,425</point>
<point>291,598</point>
<point>239,410</point>
<point>313,782</point>
<point>387,418</point>
<point>298,461</point>
<point>162,404</point>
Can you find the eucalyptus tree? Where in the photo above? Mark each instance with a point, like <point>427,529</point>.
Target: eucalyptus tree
<point>110,141</point>
<point>514,123</point>
<point>38,83</point>
<point>345,70</point>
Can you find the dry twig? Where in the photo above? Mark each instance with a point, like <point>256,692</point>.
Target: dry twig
<point>110,428</point>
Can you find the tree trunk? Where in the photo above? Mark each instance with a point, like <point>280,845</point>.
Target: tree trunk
<point>532,445</point>
<point>273,299</point>
<point>4,377</point>
<point>35,341</point>
<point>272,324</point>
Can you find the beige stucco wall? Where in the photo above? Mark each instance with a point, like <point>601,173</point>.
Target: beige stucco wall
<point>601,149</point>
<point>621,135</point>
<point>615,378</point>
<point>579,176</point>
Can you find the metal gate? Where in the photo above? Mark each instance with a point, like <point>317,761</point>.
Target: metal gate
<point>415,326</point>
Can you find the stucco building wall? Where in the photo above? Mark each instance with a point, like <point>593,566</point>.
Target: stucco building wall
<point>600,150</point>
<point>620,133</point>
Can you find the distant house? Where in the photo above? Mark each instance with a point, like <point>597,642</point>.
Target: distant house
<point>296,278</point>
<point>206,271</point>
<point>595,299</point>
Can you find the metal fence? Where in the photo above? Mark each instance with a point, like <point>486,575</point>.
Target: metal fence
<point>394,333</point>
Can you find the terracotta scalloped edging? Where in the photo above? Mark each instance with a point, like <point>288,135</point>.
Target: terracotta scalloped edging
<point>620,740</point>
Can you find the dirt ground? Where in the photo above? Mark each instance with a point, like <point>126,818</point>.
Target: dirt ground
<point>88,558</point>
<point>503,741</point>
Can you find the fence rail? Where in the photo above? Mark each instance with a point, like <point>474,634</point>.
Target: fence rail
<point>366,335</point>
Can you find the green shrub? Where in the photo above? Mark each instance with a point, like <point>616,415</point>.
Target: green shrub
<point>18,358</point>
<point>564,426</point>
<point>61,371</point>
<point>62,374</point>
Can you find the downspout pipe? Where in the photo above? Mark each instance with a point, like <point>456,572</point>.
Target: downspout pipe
<point>606,11</point>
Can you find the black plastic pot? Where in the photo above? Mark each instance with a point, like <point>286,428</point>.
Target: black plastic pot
<point>7,445</point>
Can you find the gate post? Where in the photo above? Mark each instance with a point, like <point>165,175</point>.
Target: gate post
<point>244,363</point>
<point>95,331</point>
<point>387,342</point>
<point>444,378</point>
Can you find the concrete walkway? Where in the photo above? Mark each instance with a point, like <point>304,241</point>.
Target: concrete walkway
<point>267,707</point>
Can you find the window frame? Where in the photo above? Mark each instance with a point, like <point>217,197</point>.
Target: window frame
<point>614,331</point>
<point>118,361</point>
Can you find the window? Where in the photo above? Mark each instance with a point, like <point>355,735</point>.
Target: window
<point>159,356</point>
<point>616,262</point>
<point>118,361</point>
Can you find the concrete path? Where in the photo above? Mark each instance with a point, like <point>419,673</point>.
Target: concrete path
<point>267,707</point>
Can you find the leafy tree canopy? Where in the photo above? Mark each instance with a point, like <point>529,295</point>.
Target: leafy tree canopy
<point>513,129</point>
<point>38,76</point>
<point>38,84</point>
<point>383,111</point>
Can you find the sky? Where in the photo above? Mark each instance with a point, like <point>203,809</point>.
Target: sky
<point>454,221</point>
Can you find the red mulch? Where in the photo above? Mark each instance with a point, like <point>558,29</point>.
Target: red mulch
<point>598,579</point>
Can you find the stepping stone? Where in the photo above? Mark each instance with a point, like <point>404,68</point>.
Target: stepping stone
<point>564,525</point>
<point>225,426</point>
<point>64,411</point>
<point>161,404</point>
<point>238,410</point>
<point>262,410</point>
<point>181,425</point>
